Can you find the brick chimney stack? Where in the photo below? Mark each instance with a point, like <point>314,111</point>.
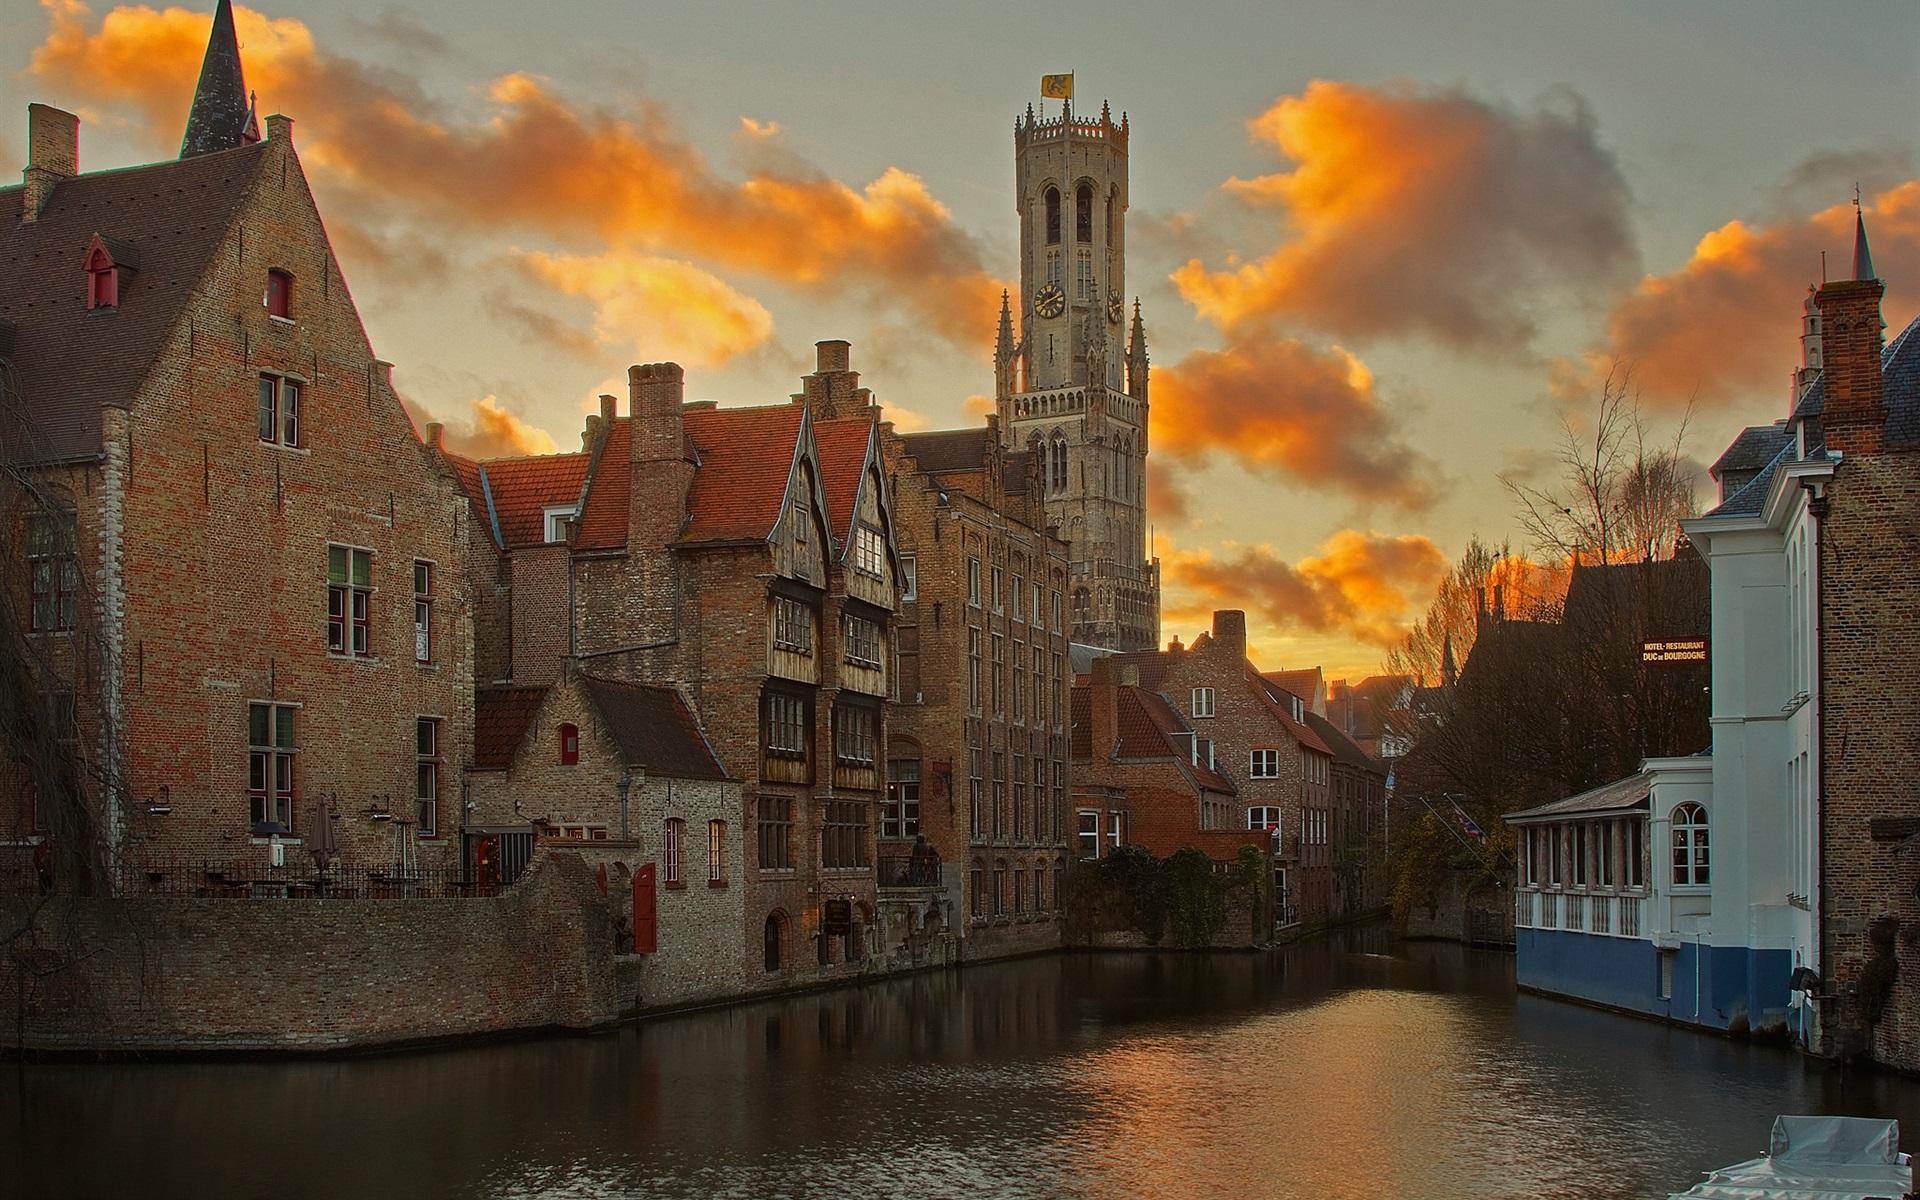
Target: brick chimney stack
<point>662,473</point>
<point>833,390</point>
<point>1853,412</point>
<point>53,154</point>
<point>1230,633</point>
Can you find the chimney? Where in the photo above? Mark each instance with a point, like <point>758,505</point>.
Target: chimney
<point>1853,411</point>
<point>662,472</point>
<point>833,390</point>
<point>279,128</point>
<point>1230,632</point>
<point>436,435</point>
<point>53,154</point>
<point>1103,708</point>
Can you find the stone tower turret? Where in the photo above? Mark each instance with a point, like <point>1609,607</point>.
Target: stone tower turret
<point>1073,388</point>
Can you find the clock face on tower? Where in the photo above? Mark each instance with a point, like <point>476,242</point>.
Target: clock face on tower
<point>1050,301</point>
<point>1115,309</point>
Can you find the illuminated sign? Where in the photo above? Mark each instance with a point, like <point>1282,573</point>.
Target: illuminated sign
<point>1684,650</point>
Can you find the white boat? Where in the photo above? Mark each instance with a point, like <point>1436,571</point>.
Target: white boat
<point>1817,1158</point>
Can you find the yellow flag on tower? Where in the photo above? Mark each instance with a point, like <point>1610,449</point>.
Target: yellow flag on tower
<point>1057,87</point>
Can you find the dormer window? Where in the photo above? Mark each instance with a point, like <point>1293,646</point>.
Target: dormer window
<point>104,265</point>
<point>279,298</point>
<point>560,521</point>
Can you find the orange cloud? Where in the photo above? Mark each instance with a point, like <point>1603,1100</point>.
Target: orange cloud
<point>1725,324</point>
<point>1365,585</point>
<point>535,161</point>
<point>655,305</point>
<point>491,431</point>
<point>978,405</point>
<point>1420,210</point>
<point>1277,405</point>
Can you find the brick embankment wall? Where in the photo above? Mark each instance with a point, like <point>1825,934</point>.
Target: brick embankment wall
<point>155,975</point>
<point>1464,911</point>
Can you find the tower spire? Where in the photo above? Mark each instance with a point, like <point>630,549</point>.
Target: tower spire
<point>1003,350</point>
<point>222,116</point>
<point>1862,256</point>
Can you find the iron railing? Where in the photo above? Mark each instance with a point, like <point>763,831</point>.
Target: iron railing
<point>909,870</point>
<point>249,881</point>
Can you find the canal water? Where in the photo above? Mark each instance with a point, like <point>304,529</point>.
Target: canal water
<point>1343,1069</point>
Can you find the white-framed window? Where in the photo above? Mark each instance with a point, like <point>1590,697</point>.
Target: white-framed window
<point>716,852</point>
<point>1055,597</point>
<point>909,578</point>
<point>1263,764</point>
<point>1298,707</point>
<point>973,582</point>
<point>426,791</point>
<point>422,610</point>
<point>1265,816</point>
<point>1089,834</point>
<point>1038,615</point>
<point>1203,752</point>
<point>1203,702</point>
<point>270,753</point>
<point>973,668</point>
<point>280,410</point>
<point>900,816</point>
<point>975,793</point>
<point>999,578</point>
<point>349,600</point>
<point>869,552</point>
<point>559,521</point>
<point>1690,856</point>
<point>862,640</point>
<point>1116,829</point>
<point>673,851</point>
<point>1019,586</point>
<point>792,625</point>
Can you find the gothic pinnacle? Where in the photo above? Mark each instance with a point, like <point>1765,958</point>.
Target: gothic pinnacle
<point>221,117</point>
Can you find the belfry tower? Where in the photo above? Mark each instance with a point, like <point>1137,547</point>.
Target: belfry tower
<point>1072,388</point>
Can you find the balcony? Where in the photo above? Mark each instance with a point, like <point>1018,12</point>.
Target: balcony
<point>922,870</point>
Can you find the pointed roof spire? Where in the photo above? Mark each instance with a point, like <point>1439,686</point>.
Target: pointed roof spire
<point>1862,255</point>
<point>1137,336</point>
<point>1004,343</point>
<point>222,116</point>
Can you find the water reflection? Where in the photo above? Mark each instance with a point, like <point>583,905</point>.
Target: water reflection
<point>1345,1069</point>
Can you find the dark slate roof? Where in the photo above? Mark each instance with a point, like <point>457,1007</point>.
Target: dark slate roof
<point>222,115</point>
<point>1618,796</point>
<point>1756,446</point>
<point>654,728</point>
<point>70,363</point>
<point>1750,499</point>
<point>948,449</point>
<point>500,719</point>
<point>1343,747</point>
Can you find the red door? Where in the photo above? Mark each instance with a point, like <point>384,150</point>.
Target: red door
<point>646,921</point>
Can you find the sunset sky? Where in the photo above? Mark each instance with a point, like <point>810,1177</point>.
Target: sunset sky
<point>1379,254</point>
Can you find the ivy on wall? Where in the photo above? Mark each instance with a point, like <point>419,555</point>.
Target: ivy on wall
<point>1182,899</point>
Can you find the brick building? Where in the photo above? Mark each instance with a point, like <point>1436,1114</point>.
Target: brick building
<point>244,597</point>
<point>621,765</point>
<point>1259,736</point>
<point>746,557</point>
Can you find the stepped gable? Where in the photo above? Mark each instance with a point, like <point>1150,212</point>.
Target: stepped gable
<point>70,363</point>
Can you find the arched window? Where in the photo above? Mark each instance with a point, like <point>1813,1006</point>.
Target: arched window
<point>1053,218</point>
<point>280,294</point>
<point>1082,603</point>
<point>1690,859</point>
<point>569,744</point>
<point>1083,213</point>
<point>1059,463</point>
<point>775,937</point>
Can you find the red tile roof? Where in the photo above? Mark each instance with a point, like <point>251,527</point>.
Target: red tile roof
<point>521,489</point>
<point>604,515</point>
<point>500,719</point>
<point>468,472</point>
<point>1166,721</point>
<point>1302,683</point>
<point>1080,713</point>
<point>746,458</point>
<point>69,363</point>
<point>843,448</point>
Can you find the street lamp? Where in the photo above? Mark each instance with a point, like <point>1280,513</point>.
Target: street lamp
<point>623,785</point>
